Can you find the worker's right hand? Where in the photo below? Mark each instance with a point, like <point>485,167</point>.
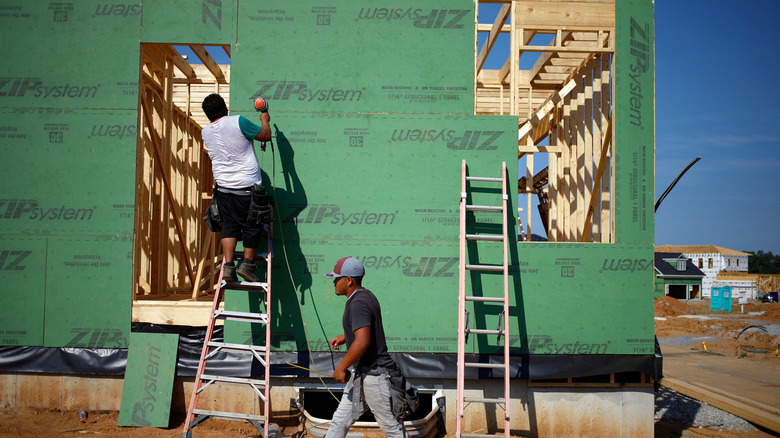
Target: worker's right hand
<point>337,342</point>
<point>265,117</point>
<point>340,375</point>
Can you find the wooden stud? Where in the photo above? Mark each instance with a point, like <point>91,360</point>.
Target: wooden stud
<point>529,183</point>
<point>597,146</point>
<point>579,163</point>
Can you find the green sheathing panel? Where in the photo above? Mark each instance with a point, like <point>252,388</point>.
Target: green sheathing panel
<point>658,287</point>
<point>585,298</point>
<point>87,291</point>
<point>416,283</point>
<point>339,191</point>
<point>148,385</point>
<point>23,275</point>
<point>78,54</point>
<point>384,188</point>
<point>206,21</point>
<point>71,199</point>
<point>72,171</point>
<point>564,298</point>
<point>634,121</point>
<point>356,56</point>
<point>379,176</point>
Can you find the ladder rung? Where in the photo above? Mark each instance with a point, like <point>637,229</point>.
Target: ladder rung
<point>497,268</point>
<point>484,365</point>
<point>241,316</point>
<point>484,400</point>
<point>242,347</point>
<point>480,435</point>
<point>484,332</point>
<point>491,237</point>
<point>484,178</point>
<point>245,285</point>
<point>243,380</point>
<point>259,256</point>
<point>223,414</point>
<point>494,208</point>
<point>485,299</point>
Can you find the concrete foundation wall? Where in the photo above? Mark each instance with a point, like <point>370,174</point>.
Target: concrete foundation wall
<point>537,411</point>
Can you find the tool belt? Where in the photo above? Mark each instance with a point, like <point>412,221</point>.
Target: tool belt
<point>404,398</point>
<point>260,210</point>
<point>212,218</point>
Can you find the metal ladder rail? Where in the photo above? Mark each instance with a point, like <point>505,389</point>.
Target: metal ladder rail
<point>191,420</point>
<point>463,330</point>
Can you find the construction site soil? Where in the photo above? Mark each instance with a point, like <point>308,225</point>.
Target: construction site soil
<point>735,334</point>
<point>741,333</point>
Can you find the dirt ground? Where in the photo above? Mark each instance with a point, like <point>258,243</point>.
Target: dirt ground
<point>670,322</point>
<point>53,423</point>
<point>727,338</point>
<point>752,345</point>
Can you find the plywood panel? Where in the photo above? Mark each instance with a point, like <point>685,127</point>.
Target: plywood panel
<point>206,22</point>
<point>22,273</point>
<point>88,291</point>
<point>70,54</point>
<point>634,128</point>
<point>72,171</point>
<point>353,56</point>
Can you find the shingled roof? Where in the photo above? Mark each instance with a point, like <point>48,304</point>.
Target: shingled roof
<point>665,269</point>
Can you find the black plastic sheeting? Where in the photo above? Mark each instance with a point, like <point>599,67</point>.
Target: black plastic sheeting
<point>99,361</point>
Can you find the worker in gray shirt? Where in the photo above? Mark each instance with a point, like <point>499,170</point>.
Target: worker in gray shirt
<point>369,383</point>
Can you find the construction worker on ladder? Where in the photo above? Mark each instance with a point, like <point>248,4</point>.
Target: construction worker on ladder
<point>229,143</point>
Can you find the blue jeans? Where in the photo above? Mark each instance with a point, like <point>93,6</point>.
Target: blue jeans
<point>375,392</point>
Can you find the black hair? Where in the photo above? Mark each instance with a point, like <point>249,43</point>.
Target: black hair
<point>214,107</point>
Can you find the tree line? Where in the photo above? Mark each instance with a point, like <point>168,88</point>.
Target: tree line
<point>760,262</point>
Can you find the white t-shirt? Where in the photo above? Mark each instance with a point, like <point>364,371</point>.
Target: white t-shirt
<point>232,152</point>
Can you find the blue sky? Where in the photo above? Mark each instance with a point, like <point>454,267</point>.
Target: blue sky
<point>716,97</point>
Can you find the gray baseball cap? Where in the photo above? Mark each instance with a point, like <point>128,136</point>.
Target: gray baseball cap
<point>347,267</point>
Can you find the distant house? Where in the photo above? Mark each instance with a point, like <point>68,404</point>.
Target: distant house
<point>676,276</point>
<point>721,267</point>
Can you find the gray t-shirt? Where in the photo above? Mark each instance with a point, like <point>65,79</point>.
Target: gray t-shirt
<point>362,310</point>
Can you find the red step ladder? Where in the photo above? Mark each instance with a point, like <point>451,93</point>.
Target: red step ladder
<point>204,379</point>
<point>503,318</point>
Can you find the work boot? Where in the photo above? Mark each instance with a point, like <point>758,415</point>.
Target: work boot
<point>247,271</point>
<point>229,272</point>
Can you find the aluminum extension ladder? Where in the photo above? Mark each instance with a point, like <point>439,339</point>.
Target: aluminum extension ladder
<point>463,322</point>
<point>210,348</point>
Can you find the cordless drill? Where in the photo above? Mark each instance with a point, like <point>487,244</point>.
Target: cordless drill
<point>261,105</point>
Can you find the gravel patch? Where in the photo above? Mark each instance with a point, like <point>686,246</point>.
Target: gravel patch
<point>773,329</point>
<point>676,408</point>
<point>686,340</point>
